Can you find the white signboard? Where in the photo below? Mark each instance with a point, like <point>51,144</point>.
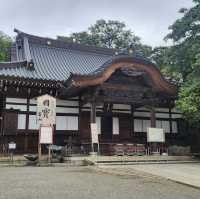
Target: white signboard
<point>94,132</point>
<point>46,110</point>
<point>155,135</point>
<point>46,135</point>
<point>12,145</point>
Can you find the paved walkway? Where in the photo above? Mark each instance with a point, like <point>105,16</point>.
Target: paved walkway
<point>183,173</point>
<point>86,183</point>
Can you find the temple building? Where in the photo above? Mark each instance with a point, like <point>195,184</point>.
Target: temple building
<point>123,92</point>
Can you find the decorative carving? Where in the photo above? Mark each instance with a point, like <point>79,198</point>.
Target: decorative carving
<point>128,63</point>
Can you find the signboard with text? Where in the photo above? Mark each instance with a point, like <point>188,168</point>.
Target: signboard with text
<point>46,110</point>
<point>94,133</point>
<point>12,145</point>
<point>46,135</point>
<point>155,135</point>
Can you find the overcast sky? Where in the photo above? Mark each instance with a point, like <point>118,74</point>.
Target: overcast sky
<point>148,19</point>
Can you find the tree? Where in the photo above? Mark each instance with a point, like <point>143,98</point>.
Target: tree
<point>177,61</point>
<point>188,26</point>
<point>5,44</point>
<point>185,33</point>
<point>112,34</point>
<point>185,58</point>
<point>189,95</point>
<point>162,57</point>
<point>108,34</point>
<point>81,37</point>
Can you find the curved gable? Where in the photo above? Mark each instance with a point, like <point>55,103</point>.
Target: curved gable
<point>125,62</point>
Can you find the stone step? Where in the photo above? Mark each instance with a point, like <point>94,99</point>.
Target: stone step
<point>145,162</point>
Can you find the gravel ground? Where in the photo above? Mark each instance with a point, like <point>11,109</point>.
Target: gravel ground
<point>86,183</point>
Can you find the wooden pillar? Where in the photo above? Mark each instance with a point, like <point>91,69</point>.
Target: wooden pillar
<point>153,146</point>
<point>92,120</point>
<point>27,126</point>
<point>153,117</point>
<point>132,120</point>
<point>170,120</point>
<point>93,113</point>
<point>79,114</point>
<point>2,136</point>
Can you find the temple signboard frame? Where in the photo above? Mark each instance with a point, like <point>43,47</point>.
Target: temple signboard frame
<point>46,117</point>
<point>46,110</point>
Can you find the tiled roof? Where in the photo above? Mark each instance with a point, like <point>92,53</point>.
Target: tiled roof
<point>34,57</point>
<point>54,60</point>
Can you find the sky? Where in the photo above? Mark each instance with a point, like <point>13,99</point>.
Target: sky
<point>148,19</point>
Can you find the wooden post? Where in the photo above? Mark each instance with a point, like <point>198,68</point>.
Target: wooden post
<point>2,124</point>
<point>92,119</point>
<point>39,152</point>
<point>132,120</point>
<point>153,125</point>
<point>49,153</point>
<point>27,125</point>
<point>79,118</point>
<point>39,146</point>
<point>170,119</point>
<point>153,118</point>
<point>93,112</point>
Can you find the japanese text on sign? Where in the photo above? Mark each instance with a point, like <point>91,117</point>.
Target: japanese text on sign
<point>46,110</point>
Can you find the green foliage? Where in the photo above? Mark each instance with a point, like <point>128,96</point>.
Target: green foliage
<point>189,101</point>
<point>181,61</point>
<point>5,44</point>
<point>181,58</point>
<point>162,57</point>
<point>189,95</point>
<point>108,34</point>
<point>185,32</point>
<point>81,37</point>
<point>188,26</point>
<point>112,34</point>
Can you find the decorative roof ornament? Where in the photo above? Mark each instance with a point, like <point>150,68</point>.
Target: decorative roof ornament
<point>131,51</point>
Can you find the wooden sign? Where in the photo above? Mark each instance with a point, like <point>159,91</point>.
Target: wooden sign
<point>46,110</point>
<point>155,135</point>
<point>46,135</point>
<point>94,132</point>
<point>12,145</point>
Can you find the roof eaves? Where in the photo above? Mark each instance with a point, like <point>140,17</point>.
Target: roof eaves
<point>15,64</point>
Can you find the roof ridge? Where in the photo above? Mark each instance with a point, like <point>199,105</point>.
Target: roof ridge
<point>63,44</point>
<point>76,51</point>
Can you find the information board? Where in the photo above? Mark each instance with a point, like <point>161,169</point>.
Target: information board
<point>46,135</point>
<point>94,132</point>
<point>155,135</point>
<point>12,145</point>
